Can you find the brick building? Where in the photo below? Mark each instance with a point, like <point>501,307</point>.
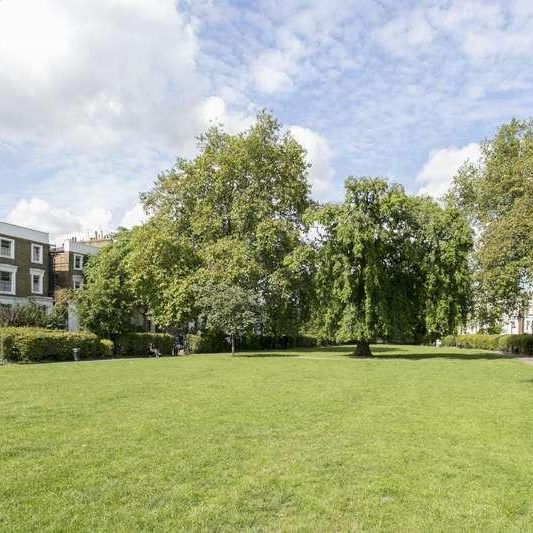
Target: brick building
<point>25,266</point>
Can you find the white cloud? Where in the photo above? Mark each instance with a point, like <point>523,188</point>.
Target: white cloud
<point>134,217</point>
<point>319,155</point>
<point>437,173</point>
<point>273,68</point>
<point>408,30</point>
<point>99,97</point>
<point>58,221</point>
<point>95,73</point>
<point>214,111</point>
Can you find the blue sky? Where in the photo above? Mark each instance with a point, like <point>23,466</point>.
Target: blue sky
<point>97,97</point>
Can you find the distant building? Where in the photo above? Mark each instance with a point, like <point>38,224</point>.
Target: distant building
<point>68,262</point>
<point>25,266</point>
<point>99,239</point>
<point>32,269</point>
<point>517,323</point>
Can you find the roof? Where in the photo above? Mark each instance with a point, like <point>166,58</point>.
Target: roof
<point>21,232</point>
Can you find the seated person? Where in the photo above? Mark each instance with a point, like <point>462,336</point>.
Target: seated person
<point>152,350</point>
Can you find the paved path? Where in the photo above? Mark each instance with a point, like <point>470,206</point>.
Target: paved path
<point>528,360</point>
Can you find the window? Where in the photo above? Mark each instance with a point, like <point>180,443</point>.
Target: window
<point>6,281</point>
<point>78,262</point>
<point>7,248</point>
<point>37,277</point>
<point>8,275</point>
<point>36,253</point>
<point>77,282</point>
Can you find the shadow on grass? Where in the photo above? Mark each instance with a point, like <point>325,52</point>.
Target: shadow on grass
<point>418,353</point>
<point>407,353</point>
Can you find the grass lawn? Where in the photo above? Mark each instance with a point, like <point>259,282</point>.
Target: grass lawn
<point>416,439</point>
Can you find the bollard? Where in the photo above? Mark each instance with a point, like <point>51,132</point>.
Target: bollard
<point>76,354</point>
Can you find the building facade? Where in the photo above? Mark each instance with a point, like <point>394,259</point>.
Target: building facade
<point>31,269</point>
<point>25,266</point>
<point>68,262</point>
<point>520,322</point>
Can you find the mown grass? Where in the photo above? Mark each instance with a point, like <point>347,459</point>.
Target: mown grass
<point>416,439</point>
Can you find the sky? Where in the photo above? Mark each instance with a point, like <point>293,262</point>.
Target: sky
<point>97,98</point>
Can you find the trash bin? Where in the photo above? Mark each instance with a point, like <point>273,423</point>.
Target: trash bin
<point>76,353</point>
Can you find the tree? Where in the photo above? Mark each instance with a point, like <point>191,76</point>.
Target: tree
<point>106,302</point>
<point>497,194</point>
<point>229,308</point>
<point>233,215</point>
<point>388,266</point>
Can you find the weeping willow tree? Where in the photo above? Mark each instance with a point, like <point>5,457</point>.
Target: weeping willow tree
<point>389,266</point>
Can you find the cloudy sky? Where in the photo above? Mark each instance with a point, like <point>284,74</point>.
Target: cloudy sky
<point>97,97</point>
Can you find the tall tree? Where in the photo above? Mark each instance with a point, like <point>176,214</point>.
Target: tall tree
<point>106,302</point>
<point>388,266</point>
<point>232,215</point>
<point>497,193</point>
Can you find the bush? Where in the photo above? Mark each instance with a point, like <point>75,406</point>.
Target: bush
<point>211,342</point>
<point>137,344</point>
<point>36,344</point>
<point>206,342</point>
<point>517,344</point>
<point>23,315</point>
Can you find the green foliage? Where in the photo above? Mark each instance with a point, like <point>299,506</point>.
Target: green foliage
<point>231,216</point>
<point>57,317</point>
<point>229,308</point>
<point>23,315</point>
<point>23,344</point>
<point>214,342</point>
<point>517,344</point>
<point>107,300</point>
<point>206,342</point>
<point>497,193</point>
<point>33,315</point>
<point>389,266</point>
<point>137,344</point>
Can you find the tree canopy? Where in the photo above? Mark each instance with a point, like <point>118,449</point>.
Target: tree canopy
<point>497,194</point>
<point>233,215</point>
<point>229,238</point>
<point>106,304</point>
<point>389,266</point>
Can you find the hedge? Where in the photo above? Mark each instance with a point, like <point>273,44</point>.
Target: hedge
<point>137,344</point>
<point>210,342</point>
<point>37,344</point>
<point>517,344</point>
<point>206,343</point>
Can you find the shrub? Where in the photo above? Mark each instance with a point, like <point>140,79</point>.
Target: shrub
<point>206,342</point>
<point>36,344</point>
<point>23,315</point>
<point>137,344</point>
<point>107,347</point>
<point>211,342</point>
<point>517,344</point>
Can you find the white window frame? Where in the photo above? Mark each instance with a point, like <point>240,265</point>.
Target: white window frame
<point>12,269</point>
<point>41,253</point>
<point>40,273</point>
<point>12,241</point>
<point>81,261</point>
<point>77,279</point>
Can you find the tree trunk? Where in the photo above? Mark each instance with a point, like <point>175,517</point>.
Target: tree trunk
<point>520,322</point>
<point>232,344</point>
<point>362,349</point>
